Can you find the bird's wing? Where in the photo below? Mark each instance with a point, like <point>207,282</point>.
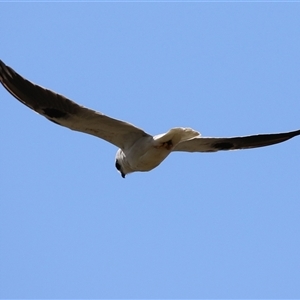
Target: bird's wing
<point>65,112</point>
<point>209,144</point>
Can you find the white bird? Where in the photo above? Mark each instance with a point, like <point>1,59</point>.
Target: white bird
<point>138,150</point>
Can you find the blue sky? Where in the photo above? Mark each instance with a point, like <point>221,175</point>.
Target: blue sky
<point>222,225</point>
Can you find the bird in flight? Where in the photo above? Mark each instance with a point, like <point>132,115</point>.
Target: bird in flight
<point>138,150</point>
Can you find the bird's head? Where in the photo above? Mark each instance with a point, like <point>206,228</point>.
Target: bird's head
<point>119,168</point>
<point>122,164</point>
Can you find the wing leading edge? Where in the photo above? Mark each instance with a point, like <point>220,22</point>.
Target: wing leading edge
<point>65,112</point>
<point>209,144</point>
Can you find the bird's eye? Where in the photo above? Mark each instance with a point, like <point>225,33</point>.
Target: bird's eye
<point>118,165</point>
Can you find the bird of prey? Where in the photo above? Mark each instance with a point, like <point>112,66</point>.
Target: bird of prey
<point>138,150</point>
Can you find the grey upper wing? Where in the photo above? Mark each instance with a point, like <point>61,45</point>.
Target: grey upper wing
<point>67,113</point>
<point>207,144</point>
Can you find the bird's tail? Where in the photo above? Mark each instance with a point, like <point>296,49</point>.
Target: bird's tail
<point>176,135</point>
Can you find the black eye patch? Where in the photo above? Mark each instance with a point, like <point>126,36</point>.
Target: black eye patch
<point>118,165</point>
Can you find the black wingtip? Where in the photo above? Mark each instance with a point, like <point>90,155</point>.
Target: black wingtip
<point>6,73</point>
<point>2,67</point>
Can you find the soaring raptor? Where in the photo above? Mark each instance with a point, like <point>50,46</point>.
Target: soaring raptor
<point>138,150</point>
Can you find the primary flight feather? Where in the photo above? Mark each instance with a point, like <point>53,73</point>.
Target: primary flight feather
<point>138,150</point>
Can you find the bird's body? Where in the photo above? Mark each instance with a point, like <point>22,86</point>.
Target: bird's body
<point>138,150</point>
<point>148,152</point>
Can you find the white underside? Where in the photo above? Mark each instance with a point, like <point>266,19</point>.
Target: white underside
<point>148,152</point>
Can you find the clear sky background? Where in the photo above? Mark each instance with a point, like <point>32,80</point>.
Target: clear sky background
<point>222,225</point>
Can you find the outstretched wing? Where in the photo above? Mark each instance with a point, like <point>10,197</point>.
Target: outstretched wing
<point>65,112</point>
<point>207,144</point>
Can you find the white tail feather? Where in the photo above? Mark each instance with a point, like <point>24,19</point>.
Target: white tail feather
<point>177,134</point>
